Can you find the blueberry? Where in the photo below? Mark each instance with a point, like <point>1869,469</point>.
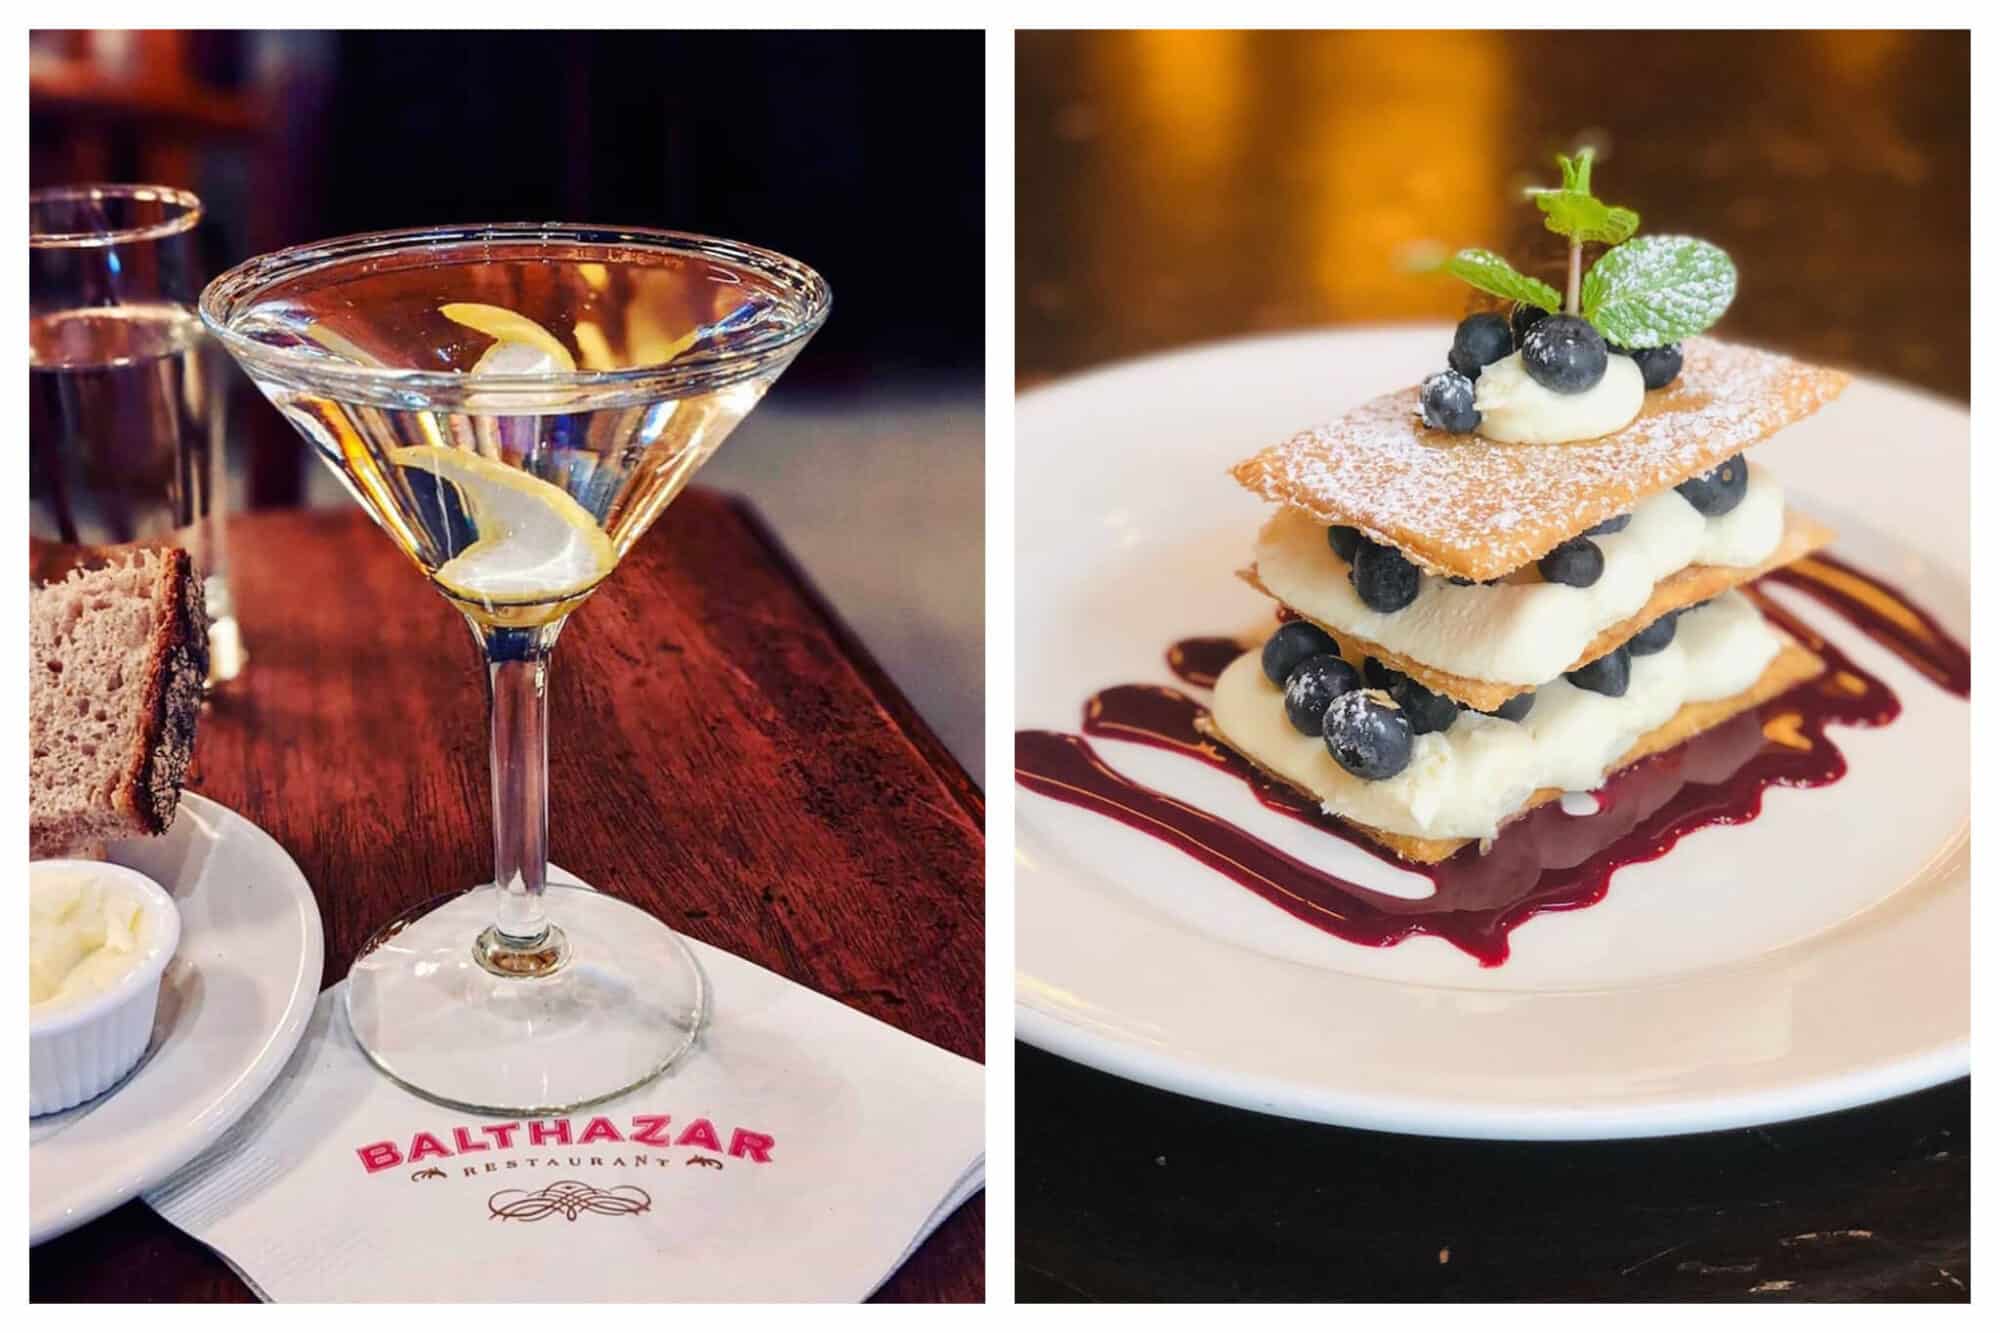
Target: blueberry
<point>1368,735</point>
<point>1479,342</point>
<point>1447,403</point>
<point>1525,317</point>
<point>1343,540</point>
<point>1564,354</point>
<point>1379,675</point>
<point>1577,562</point>
<point>1294,642</point>
<point>1654,637</point>
<point>1386,581</point>
<point>1608,675</point>
<point>1427,711</point>
<point>1658,366</point>
<point>1313,684</point>
<point>1515,708</point>
<point>1719,490</point>
<point>1616,523</point>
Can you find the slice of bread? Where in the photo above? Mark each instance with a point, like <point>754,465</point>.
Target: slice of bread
<point>116,659</point>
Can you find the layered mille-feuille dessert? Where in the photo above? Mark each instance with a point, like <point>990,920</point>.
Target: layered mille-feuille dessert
<point>1524,575</point>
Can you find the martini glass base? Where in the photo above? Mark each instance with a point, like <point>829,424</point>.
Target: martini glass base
<point>628,1001</point>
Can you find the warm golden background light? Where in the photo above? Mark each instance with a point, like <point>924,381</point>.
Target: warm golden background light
<point>1181,186</point>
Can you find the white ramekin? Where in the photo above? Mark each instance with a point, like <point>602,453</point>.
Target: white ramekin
<point>76,1051</point>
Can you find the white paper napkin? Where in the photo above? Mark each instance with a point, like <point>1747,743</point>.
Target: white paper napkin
<point>801,1152</point>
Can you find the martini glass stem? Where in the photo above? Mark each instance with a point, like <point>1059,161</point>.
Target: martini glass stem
<point>522,941</point>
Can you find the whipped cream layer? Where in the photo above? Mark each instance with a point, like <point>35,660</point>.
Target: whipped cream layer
<point>1464,782</point>
<point>1515,409</point>
<point>1529,632</point>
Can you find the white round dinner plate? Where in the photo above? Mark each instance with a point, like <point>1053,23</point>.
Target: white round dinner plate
<point>1814,958</point>
<point>233,1006</point>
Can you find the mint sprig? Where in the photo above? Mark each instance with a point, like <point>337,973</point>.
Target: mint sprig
<point>1573,211</point>
<point>1496,277</point>
<point>1640,293</point>
<point>1657,289</point>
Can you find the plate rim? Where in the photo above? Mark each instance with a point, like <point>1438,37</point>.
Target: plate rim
<point>47,1221</point>
<point>1818,1092</point>
<point>1517,1123</point>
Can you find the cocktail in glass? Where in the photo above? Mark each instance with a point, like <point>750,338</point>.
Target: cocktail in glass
<point>514,405</point>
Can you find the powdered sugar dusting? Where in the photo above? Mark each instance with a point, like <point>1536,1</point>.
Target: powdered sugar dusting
<point>1457,504</point>
<point>1349,709</point>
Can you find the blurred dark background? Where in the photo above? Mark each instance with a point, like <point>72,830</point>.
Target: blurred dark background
<point>1182,186</point>
<point>859,153</point>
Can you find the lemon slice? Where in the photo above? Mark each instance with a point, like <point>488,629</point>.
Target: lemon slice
<point>536,543</point>
<point>520,346</point>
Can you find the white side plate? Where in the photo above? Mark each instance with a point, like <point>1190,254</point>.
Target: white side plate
<point>1813,959</point>
<point>233,1006</point>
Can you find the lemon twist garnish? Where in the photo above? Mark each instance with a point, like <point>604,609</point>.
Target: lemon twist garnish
<point>523,347</point>
<point>520,346</point>
<point>536,543</point>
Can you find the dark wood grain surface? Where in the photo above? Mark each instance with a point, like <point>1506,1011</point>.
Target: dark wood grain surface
<point>721,753</point>
<point>1177,187</point>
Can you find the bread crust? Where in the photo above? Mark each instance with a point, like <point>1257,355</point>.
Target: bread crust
<point>176,669</point>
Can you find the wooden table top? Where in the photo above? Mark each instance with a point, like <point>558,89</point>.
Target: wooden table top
<point>1177,187</point>
<point>721,752</point>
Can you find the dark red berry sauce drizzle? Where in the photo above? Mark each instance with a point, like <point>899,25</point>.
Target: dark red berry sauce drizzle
<point>1546,861</point>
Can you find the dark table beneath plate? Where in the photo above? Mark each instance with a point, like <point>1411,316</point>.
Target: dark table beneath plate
<point>722,752</point>
<point>1129,1194</point>
<point>1176,187</point>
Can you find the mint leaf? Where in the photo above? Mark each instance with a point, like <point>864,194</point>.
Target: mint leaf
<point>1658,289</point>
<point>1495,276</point>
<point>1583,217</point>
<point>1574,212</point>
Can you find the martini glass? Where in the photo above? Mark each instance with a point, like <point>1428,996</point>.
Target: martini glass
<point>514,405</point>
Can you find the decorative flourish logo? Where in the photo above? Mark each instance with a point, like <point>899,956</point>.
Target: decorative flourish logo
<point>428,1173</point>
<point>569,1198</point>
<point>699,1160</point>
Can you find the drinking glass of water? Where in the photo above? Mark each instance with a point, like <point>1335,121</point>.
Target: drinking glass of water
<point>125,400</point>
